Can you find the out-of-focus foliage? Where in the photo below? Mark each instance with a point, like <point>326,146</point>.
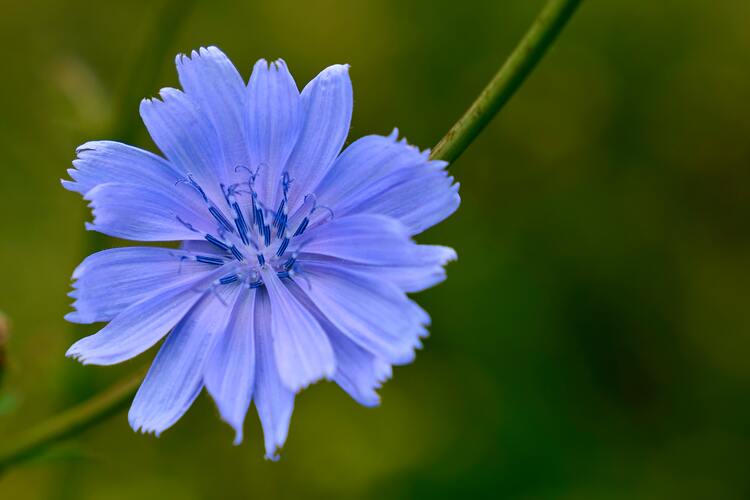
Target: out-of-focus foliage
<point>591,342</point>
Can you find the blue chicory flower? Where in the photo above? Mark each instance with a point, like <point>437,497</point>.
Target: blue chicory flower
<point>295,257</point>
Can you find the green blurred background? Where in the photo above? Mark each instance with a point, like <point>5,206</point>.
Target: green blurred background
<point>591,342</point>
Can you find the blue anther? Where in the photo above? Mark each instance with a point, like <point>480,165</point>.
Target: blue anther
<point>216,242</point>
<point>259,219</point>
<point>282,226</point>
<point>261,259</point>
<point>236,253</point>
<point>255,284</point>
<point>282,247</point>
<point>240,217</point>
<point>267,235</point>
<point>283,274</point>
<point>221,219</point>
<point>279,213</point>
<point>209,260</point>
<point>229,278</point>
<point>255,207</point>
<point>302,227</point>
<point>290,262</point>
<point>240,223</point>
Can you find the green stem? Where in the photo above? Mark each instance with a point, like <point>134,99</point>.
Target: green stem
<point>523,59</point>
<point>506,81</point>
<point>69,423</point>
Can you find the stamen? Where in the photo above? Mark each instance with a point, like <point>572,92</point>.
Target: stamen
<point>282,225</point>
<point>229,278</point>
<point>283,274</point>
<point>221,218</point>
<point>255,284</point>
<point>216,242</point>
<point>255,207</point>
<point>261,259</point>
<point>279,213</point>
<point>302,227</point>
<point>282,247</point>
<point>209,260</point>
<point>259,220</point>
<point>239,221</point>
<point>237,254</point>
<point>267,235</point>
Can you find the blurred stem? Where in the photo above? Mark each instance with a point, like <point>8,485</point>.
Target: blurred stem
<point>69,423</point>
<point>520,63</point>
<point>506,81</point>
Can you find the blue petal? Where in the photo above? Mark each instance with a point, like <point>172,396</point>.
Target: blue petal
<point>140,326</point>
<point>274,120</point>
<point>230,371</point>
<point>146,214</point>
<point>102,162</point>
<point>366,160</point>
<point>358,372</point>
<point>373,313</point>
<point>303,352</point>
<point>109,281</point>
<point>381,176</point>
<point>416,278</point>
<point>187,139</point>
<point>327,114</point>
<point>175,377</point>
<point>368,239</point>
<point>273,400</point>
<point>212,82</point>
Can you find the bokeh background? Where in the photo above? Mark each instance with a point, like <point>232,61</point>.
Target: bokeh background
<point>592,341</point>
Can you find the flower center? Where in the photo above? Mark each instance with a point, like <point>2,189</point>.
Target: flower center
<point>250,236</point>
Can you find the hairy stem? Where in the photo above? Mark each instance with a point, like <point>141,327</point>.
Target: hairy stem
<point>510,76</point>
<point>506,81</point>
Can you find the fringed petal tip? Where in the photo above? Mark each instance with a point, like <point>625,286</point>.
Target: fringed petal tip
<point>75,317</point>
<point>423,154</point>
<point>270,64</point>
<point>76,352</point>
<point>210,51</point>
<point>273,451</point>
<point>142,428</point>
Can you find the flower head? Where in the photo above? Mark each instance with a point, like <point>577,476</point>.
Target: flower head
<point>295,257</point>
